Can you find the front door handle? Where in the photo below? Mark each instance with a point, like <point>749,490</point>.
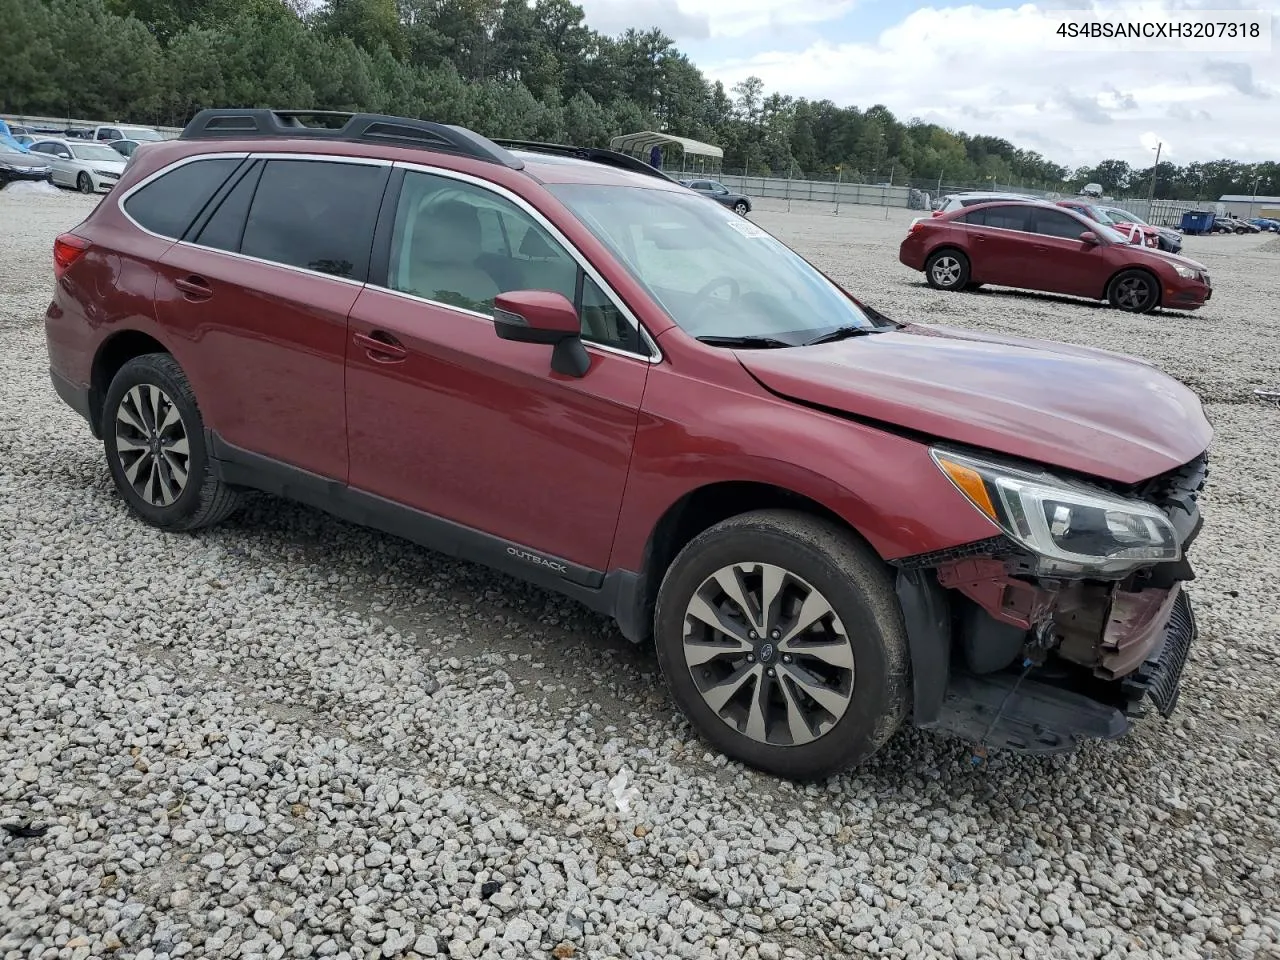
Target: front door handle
<point>381,346</point>
<point>194,288</point>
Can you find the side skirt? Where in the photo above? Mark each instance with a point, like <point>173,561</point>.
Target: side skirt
<point>615,594</point>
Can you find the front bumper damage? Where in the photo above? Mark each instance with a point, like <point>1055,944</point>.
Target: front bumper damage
<point>1010,661</point>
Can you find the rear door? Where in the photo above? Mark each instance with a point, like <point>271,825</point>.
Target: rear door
<point>263,282</point>
<point>998,249</point>
<point>1061,261</point>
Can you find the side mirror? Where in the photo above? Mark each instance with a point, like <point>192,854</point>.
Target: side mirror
<point>542,316</point>
<point>1089,237</point>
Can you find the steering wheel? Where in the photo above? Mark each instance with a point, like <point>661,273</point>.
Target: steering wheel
<point>716,284</point>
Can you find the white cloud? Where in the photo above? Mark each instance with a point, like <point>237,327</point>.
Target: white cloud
<point>1001,72</point>
<point>710,19</point>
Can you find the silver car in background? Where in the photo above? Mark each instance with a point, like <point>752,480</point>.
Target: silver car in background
<point>87,165</point>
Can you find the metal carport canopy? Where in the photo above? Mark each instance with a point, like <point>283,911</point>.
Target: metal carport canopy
<point>647,138</point>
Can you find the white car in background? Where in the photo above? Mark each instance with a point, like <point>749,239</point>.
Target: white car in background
<point>87,165</point>
<point>118,132</point>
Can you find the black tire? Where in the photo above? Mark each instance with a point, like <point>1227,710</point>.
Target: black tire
<point>741,208</point>
<point>947,269</point>
<point>1126,291</point>
<point>84,183</point>
<point>203,499</point>
<point>856,585</point>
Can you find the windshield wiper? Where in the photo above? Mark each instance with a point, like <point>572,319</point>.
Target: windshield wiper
<point>745,341</point>
<point>840,333</point>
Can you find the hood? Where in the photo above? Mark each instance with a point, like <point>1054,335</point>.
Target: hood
<point>1091,411</point>
<point>22,158</point>
<point>1175,258</point>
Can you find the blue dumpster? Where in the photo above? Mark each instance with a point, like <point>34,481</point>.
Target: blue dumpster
<point>1197,221</point>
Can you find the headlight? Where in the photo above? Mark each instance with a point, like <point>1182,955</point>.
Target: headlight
<point>1073,528</point>
<point>1188,272</point>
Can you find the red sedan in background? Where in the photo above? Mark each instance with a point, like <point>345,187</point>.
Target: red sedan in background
<point>1132,231</point>
<point>1047,247</point>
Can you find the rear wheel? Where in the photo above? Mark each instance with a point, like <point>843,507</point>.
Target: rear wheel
<point>947,270</point>
<point>84,183</point>
<point>781,640</point>
<point>153,436</point>
<point>1135,291</point>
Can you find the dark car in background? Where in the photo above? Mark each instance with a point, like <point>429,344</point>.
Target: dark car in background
<point>16,165</point>
<point>1052,249</point>
<point>721,194</point>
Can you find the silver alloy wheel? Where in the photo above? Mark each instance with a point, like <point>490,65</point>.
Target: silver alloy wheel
<point>946,271</point>
<point>768,654</point>
<point>1132,293</point>
<point>152,445</point>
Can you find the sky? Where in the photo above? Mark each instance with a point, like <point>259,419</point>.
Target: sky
<point>992,68</point>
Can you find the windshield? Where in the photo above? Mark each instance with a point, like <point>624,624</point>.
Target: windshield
<point>1123,216</point>
<point>1109,233</point>
<point>136,133</point>
<point>93,151</point>
<point>715,273</point>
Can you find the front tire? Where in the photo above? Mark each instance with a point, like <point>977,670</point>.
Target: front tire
<point>84,183</point>
<point>154,441</point>
<point>740,208</point>
<point>947,270</point>
<point>1134,291</point>
<point>782,642</point>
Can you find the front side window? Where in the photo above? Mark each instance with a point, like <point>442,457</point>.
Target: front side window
<point>462,245</point>
<point>715,274</point>
<point>1051,223</point>
<point>315,214</point>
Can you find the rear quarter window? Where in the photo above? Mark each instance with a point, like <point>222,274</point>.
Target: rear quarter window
<point>169,203</point>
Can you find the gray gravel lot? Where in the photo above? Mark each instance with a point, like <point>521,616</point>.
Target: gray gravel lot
<point>288,737</point>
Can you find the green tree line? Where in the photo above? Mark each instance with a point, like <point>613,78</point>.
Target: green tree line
<point>510,68</point>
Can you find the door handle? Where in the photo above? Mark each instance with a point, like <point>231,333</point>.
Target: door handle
<point>381,347</point>
<point>194,288</point>
<point>979,238</point>
<point>1042,248</point>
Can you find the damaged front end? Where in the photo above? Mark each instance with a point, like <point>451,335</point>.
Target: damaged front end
<point>1060,629</point>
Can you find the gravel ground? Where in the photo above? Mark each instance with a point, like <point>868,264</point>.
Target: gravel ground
<point>288,737</point>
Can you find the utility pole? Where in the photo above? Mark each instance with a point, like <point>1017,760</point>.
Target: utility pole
<point>1253,194</point>
<point>1154,170</point>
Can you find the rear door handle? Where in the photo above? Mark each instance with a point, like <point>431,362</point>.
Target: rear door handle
<point>194,288</point>
<point>381,346</point>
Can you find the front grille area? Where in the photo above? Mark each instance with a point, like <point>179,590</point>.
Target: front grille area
<point>1160,676</point>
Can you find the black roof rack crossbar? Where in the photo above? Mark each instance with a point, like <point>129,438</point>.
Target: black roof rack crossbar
<point>595,154</point>
<point>255,123</point>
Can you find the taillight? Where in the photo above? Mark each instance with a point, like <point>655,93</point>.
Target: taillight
<point>67,249</point>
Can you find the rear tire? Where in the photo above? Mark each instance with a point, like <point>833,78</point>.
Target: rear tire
<point>801,702</point>
<point>1134,291</point>
<point>154,441</point>
<point>947,270</point>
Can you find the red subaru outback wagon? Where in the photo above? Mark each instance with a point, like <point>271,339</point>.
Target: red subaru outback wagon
<point>559,362</point>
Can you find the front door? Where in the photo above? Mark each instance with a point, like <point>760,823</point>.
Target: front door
<point>1064,262</point>
<point>264,287</point>
<point>448,419</point>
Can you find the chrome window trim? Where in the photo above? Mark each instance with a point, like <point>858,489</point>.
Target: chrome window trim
<point>156,175</point>
<point>268,263</point>
<point>655,355</point>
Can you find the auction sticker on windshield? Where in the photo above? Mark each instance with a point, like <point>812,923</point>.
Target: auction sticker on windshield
<point>746,228</point>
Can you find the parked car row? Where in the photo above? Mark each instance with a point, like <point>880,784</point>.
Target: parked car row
<point>88,166</point>
<point>90,160</point>
<point>1054,248</point>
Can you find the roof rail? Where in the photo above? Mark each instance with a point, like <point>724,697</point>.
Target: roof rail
<point>595,154</point>
<point>254,123</point>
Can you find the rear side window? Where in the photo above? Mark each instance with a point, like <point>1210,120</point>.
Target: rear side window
<point>1001,218</point>
<point>225,228</point>
<point>168,204</point>
<point>315,214</point>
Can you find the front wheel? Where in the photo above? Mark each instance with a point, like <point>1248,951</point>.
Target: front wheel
<point>947,270</point>
<point>153,436</point>
<point>1134,291</point>
<point>782,642</point>
<point>84,183</point>
<point>740,208</point>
